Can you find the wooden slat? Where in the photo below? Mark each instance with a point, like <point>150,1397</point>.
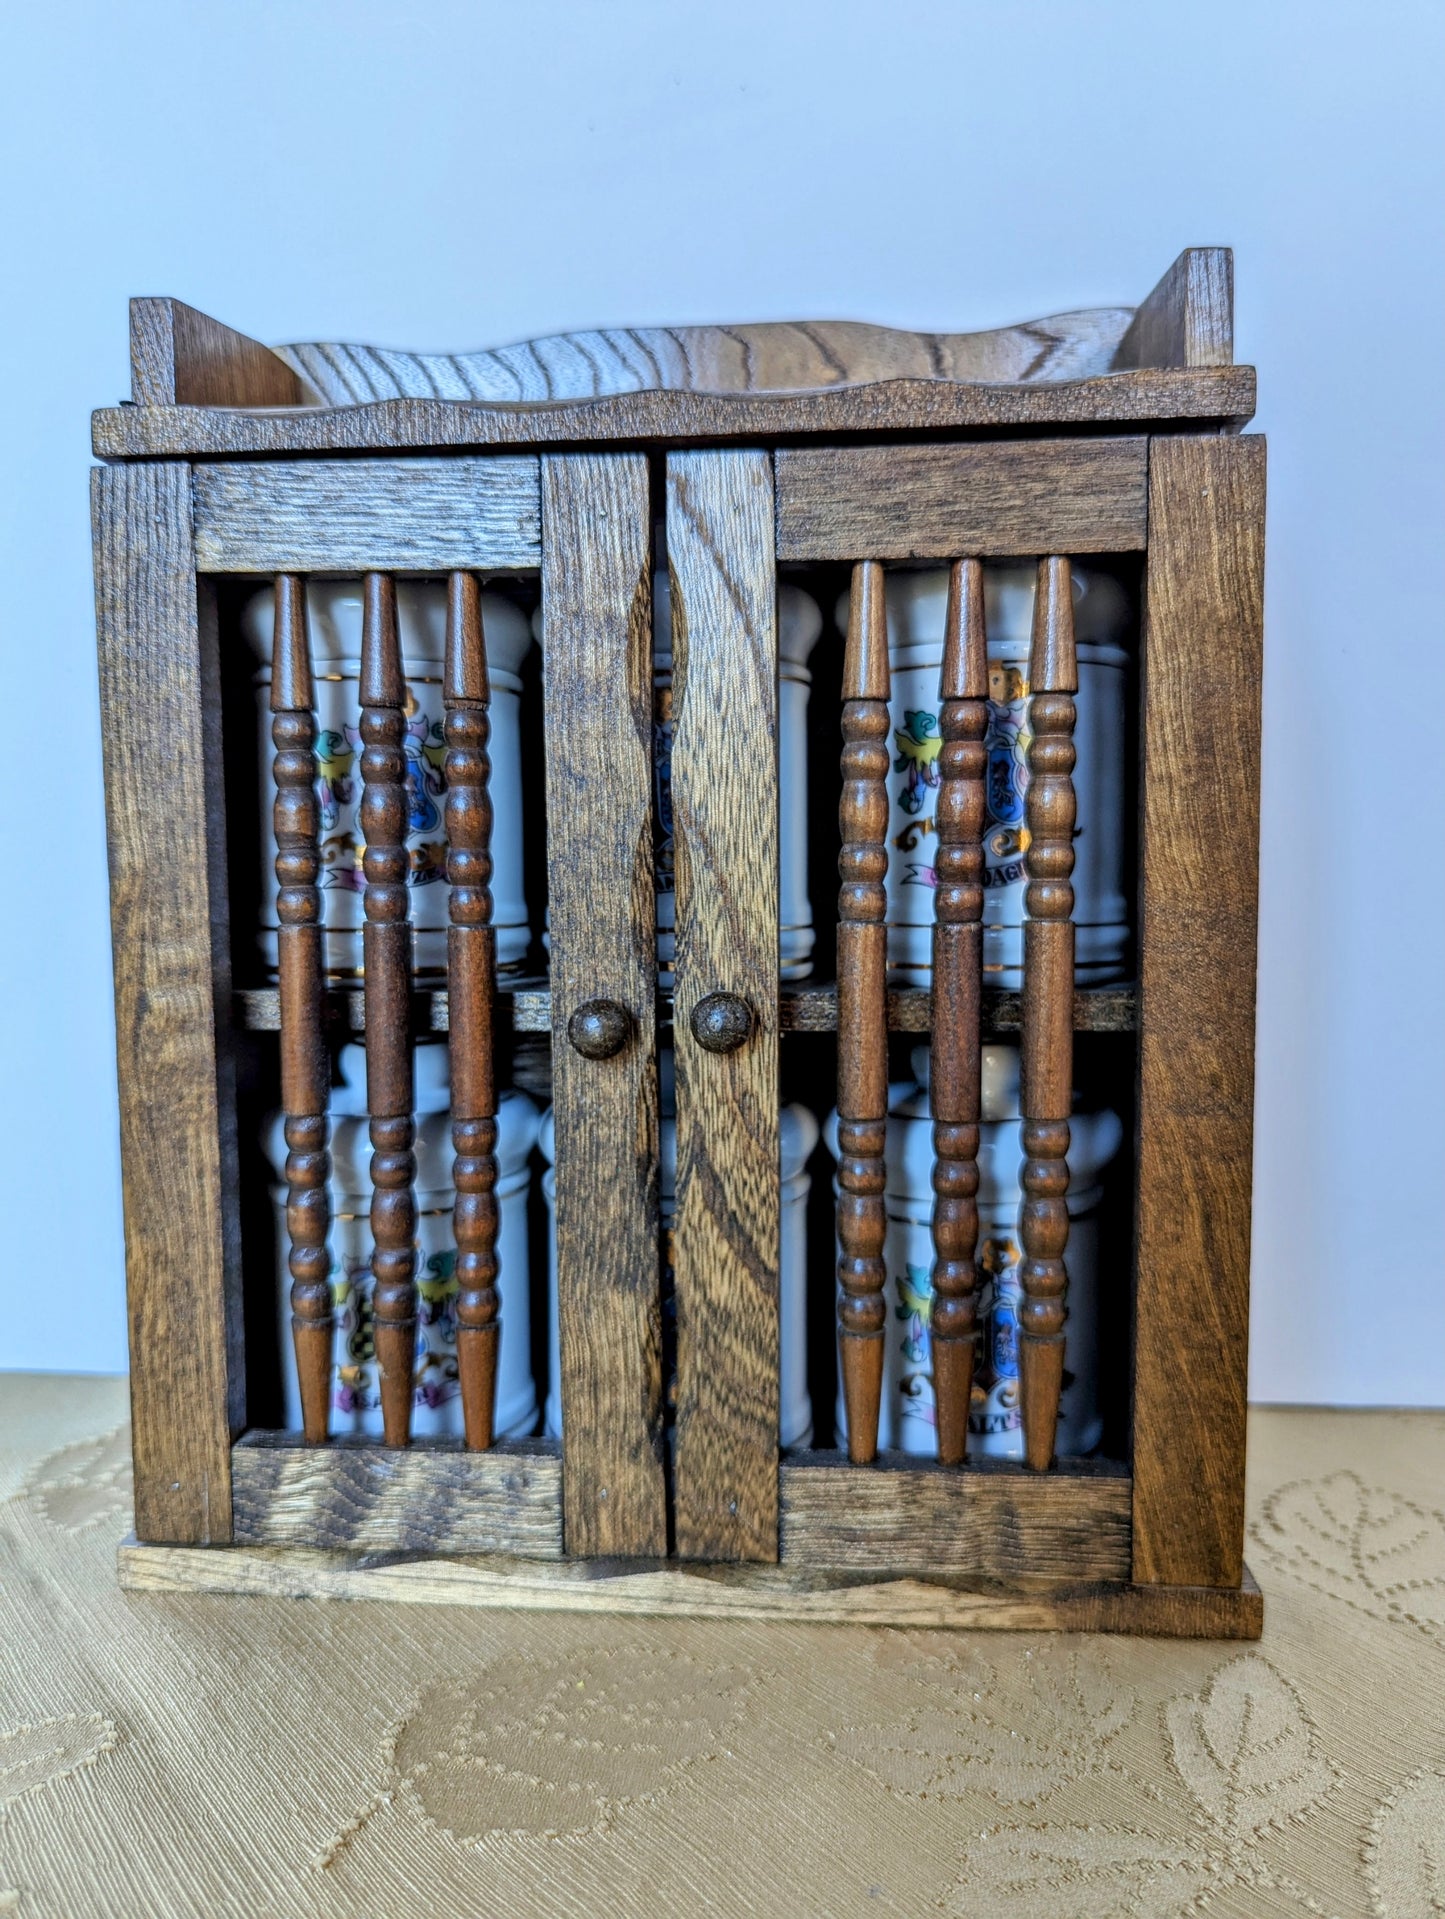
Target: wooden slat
<point>725,833</point>
<point>1047,1054</point>
<point>980,1524</point>
<point>918,502</point>
<point>159,682</point>
<point>181,357</point>
<point>386,951</point>
<point>340,516</point>
<point>953,1080</point>
<point>622,1587</point>
<point>305,1067</point>
<point>596,608</point>
<point>360,1497</point>
<point>1197,929</point>
<point>471,977</point>
<point>862,1008</point>
<point>1188,320</point>
<point>1142,401</point>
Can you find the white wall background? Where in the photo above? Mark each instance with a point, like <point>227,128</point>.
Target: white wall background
<point>448,174</point>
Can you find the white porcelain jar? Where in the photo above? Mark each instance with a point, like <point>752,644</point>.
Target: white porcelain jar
<point>916,605</point>
<point>799,1135</point>
<point>333,624</point>
<point>908,1420</point>
<point>799,623</point>
<point>355,1390</point>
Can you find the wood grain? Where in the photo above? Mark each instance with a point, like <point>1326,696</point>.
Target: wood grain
<point>957,995</point>
<point>726,1233</point>
<point>862,1009</point>
<point>906,1515</point>
<point>159,682</point>
<point>936,502</point>
<point>597,636</point>
<point>356,1496</point>
<point>1147,400</point>
<point>471,994</point>
<point>305,1066</point>
<point>1202,647</point>
<point>353,516</point>
<point>624,1587</point>
<point>1188,319</point>
<point>180,357</point>
<point>386,950</point>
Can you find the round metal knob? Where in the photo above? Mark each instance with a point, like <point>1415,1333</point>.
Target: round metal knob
<point>721,1022</point>
<point>599,1029</point>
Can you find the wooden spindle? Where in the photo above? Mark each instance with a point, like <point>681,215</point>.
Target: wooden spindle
<point>957,1003</point>
<point>386,953</point>
<point>862,1008</point>
<point>471,978</point>
<point>1048,1008</point>
<point>305,1077</point>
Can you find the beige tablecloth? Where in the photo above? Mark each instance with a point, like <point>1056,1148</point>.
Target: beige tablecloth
<point>219,1756</point>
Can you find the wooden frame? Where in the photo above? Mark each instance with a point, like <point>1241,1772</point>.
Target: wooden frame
<point>1115,462</point>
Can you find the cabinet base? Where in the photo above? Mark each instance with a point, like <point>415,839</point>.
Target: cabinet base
<point>699,1592</point>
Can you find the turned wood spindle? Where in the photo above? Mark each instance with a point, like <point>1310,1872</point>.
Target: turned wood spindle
<point>1048,1008</point>
<point>957,1003</point>
<point>471,987</point>
<point>863,1008</point>
<point>305,1077</point>
<point>386,953</point>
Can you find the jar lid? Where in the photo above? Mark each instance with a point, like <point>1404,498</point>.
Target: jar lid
<point>334,617</point>
<point>998,1088</point>
<point>917,603</point>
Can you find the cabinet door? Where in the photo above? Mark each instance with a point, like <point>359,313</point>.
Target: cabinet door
<point>725,1249</point>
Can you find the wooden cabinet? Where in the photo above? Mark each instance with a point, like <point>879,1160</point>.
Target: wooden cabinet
<point>1098,435</point>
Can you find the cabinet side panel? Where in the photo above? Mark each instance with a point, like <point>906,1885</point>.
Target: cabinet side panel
<point>1198,912</point>
<point>160,715</point>
<point>597,642</point>
<point>725,825</point>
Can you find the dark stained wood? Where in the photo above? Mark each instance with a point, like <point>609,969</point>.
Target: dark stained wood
<point>305,1067</point>
<point>597,639</point>
<point>801,1009</point>
<point>1188,320</point>
<point>159,682</point>
<point>862,1008</point>
<point>992,1522</point>
<point>471,973</point>
<point>626,1587</point>
<point>1048,1034</point>
<point>1147,400</point>
<point>386,952</point>
<point>726,1233</point>
<point>414,515</point>
<point>1197,930</point>
<point>931,502</point>
<point>957,1003</point>
<point>357,1496</point>
<point>180,357</point>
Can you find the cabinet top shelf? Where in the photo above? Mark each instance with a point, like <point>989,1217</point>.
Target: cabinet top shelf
<point>202,390</point>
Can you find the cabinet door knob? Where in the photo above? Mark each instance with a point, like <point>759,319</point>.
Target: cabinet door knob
<point>721,1022</point>
<point>599,1029</point>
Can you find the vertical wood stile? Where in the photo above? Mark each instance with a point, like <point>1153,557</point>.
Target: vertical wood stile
<point>863,1008</point>
<point>386,953</point>
<point>471,989</point>
<point>1048,1009</point>
<point>304,1072</point>
<point>957,1003</point>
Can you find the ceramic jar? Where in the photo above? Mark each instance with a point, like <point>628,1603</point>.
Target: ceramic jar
<point>333,619</point>
<point>907,1421</point>
<point>916,604</point>
<point>799,1136</point>
<point>799,623</point>
<point>355,1395</point>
